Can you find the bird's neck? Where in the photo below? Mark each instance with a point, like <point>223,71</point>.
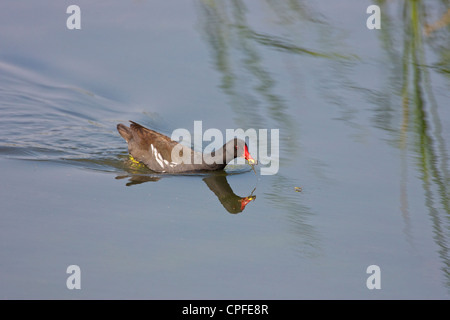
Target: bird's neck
<point>219,158</point>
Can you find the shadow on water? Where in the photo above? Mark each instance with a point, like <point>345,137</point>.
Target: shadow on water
<point>420,126</point>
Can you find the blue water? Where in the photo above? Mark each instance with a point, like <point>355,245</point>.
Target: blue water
<point>364,144</point>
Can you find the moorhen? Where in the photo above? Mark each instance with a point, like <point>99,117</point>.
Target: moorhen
<point>155,151</point>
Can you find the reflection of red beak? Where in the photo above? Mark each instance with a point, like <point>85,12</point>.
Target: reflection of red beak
<point>245,201</point>
<point>247,156</point>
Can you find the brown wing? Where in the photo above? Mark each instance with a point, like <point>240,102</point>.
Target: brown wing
<point>145,137</point>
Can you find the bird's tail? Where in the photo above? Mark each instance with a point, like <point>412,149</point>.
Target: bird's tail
<point>124,131</point>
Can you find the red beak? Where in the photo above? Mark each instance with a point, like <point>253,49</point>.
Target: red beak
<point>247,156</point>
<point>245,201</point>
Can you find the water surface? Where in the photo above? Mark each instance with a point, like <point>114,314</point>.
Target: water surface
<point>364,132</point>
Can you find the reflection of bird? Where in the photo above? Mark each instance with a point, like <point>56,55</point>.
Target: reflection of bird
<point>138,179</point>
<point>217,183</point>
<point>162,154</point>
<point>230,201</point>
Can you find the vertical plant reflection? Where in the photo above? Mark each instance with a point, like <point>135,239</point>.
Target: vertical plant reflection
<point>238,55</point>
<point>421,128</point>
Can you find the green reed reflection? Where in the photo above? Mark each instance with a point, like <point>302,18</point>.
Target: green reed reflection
<point>248,80</point>
<point>421,128</point>
<point>406,107</point>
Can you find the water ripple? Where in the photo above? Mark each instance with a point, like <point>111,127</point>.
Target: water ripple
<point>47,121</point>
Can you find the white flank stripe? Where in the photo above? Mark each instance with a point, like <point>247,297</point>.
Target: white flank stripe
<point>158,156</point>
<point>160,162</point>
